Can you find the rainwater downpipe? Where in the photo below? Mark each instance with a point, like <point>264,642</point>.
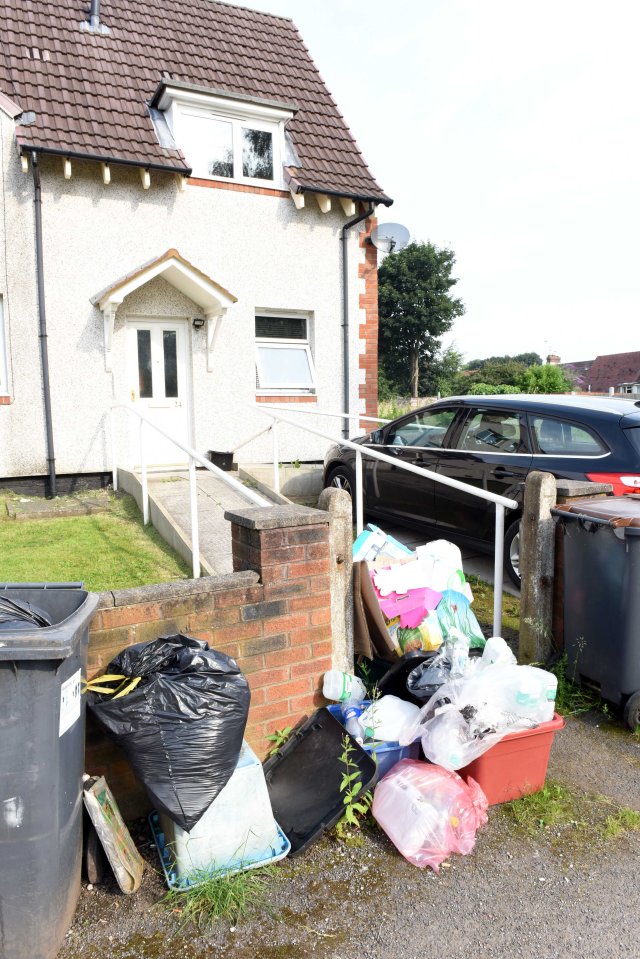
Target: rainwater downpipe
<point>345,309</point>
<point>44,352</point>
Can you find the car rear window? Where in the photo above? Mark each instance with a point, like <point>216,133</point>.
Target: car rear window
<point>556,437</point>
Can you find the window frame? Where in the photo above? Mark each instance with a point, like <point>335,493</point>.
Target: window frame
<point>239,113</point>
<point>277,342</point>
<point>4,358</point>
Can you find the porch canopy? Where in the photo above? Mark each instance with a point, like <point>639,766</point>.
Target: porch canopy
<point>208,295</point>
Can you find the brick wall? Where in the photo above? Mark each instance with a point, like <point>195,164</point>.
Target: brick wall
<point>369,330</point>
<point>272,615</point>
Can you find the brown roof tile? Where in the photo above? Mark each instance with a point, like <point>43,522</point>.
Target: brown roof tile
<point>609,371</point>
<point>90,96</point>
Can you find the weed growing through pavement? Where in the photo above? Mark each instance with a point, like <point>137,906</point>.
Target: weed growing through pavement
<point>357,805</point>
<point>231,896</point>
<point>572,698</point>
<point>558,812</point>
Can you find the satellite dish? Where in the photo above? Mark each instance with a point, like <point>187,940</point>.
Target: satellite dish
<point>390,237</point>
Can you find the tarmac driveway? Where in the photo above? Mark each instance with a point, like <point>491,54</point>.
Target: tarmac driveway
<point>516,896</point>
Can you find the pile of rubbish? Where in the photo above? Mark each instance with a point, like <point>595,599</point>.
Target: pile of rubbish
<point>426,736</point>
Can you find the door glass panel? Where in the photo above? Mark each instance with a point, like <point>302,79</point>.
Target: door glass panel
<point>257,154</point>
<point>494,431</point>
<point>427,428</point>
<point>145,383</point>
<point>169,346</point>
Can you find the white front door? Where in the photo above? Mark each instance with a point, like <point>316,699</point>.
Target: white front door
<point>158,387</point>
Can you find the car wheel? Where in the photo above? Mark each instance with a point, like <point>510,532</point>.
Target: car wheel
<point>632,711</point>
<point>343,478</point>
<point>512,553</point>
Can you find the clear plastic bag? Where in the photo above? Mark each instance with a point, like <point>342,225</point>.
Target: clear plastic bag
<point>466,717</point>
<point>428,812</point>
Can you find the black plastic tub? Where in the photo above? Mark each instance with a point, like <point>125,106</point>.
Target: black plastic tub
<point>224,461</point>
<point>304,779</point>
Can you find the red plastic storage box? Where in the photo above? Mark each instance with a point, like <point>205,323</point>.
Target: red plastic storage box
<point>517,765</point>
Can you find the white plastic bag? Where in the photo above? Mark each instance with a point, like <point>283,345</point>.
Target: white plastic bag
<point>428,812</point>
<point>385,717</point>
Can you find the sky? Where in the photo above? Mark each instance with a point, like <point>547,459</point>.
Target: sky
<point>509,132</point>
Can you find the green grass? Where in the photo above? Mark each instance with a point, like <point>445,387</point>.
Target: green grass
<point>483,606</point>
<point>232,896</point>
<point>110,550</point>
<point>563,815</point>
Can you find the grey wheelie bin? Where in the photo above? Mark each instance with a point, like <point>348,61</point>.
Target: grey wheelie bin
<point>602,597</point>
<point>41,767</point>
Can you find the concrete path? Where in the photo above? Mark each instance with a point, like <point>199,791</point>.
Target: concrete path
<point>171,491</point>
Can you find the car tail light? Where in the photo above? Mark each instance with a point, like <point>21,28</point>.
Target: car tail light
<point>621,482</point>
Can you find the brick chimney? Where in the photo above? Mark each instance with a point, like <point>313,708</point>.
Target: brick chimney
<point>553,359</point>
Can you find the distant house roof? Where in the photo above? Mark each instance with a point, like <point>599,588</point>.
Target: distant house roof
<point>90,91</point>
<point>608,371</point>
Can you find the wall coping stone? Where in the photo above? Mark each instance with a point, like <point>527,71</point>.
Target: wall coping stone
<point>161,592</point>
<point>277,517</point>
<point>566,487</point>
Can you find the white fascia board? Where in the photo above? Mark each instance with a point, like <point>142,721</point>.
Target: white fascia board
<point>224,106</point>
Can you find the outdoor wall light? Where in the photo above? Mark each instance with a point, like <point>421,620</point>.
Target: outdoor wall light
<point>198,322</point>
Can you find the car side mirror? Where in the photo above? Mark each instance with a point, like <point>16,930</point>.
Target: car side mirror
<point>376,437</point>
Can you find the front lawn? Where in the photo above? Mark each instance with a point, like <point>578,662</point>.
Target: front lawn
<point>111,550</point>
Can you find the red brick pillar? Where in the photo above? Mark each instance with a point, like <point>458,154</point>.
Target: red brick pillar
<point>288,546</point>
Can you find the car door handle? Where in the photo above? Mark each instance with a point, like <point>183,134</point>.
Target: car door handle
<point>500,471</point>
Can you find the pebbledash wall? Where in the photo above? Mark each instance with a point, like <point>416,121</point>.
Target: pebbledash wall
<point>273,615</point>
<point>253,243</point>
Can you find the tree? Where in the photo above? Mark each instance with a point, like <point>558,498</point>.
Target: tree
<point>527,359</point>
<point>416,309</point>
<point>544,379</point>
<point>439,373</point>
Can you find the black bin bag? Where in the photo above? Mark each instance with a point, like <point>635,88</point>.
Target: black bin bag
<point>182,726</point>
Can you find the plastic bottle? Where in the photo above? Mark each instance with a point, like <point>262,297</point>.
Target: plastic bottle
<point>343,687</point>
<point>351,714</point>
<point>458,645</point>
<point>536,693</point>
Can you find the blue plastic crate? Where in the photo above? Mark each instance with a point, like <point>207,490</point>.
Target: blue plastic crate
<point>278,851</point>
<point>386,755</point>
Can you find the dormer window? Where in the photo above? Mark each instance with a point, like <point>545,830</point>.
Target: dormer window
<point>227,137</point>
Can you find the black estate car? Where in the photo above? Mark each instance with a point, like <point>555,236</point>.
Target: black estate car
<point>491,442</point>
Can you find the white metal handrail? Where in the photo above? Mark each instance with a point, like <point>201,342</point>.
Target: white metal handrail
<point>314,412</point>
<point>194,457</point>
<point>501,502</point>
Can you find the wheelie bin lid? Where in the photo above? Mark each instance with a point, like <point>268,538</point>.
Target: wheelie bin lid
<point>69,609</point>
<point>614,511</point>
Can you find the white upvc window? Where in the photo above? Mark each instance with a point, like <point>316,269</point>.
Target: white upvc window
<point>4,364</point>
<point>228,139</point>
<point>283,354</point>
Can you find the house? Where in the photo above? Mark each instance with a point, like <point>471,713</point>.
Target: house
<point>184,217</point>
<point>608,373</point>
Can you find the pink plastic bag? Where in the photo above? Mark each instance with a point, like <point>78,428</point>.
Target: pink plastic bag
<point>429,812</point>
